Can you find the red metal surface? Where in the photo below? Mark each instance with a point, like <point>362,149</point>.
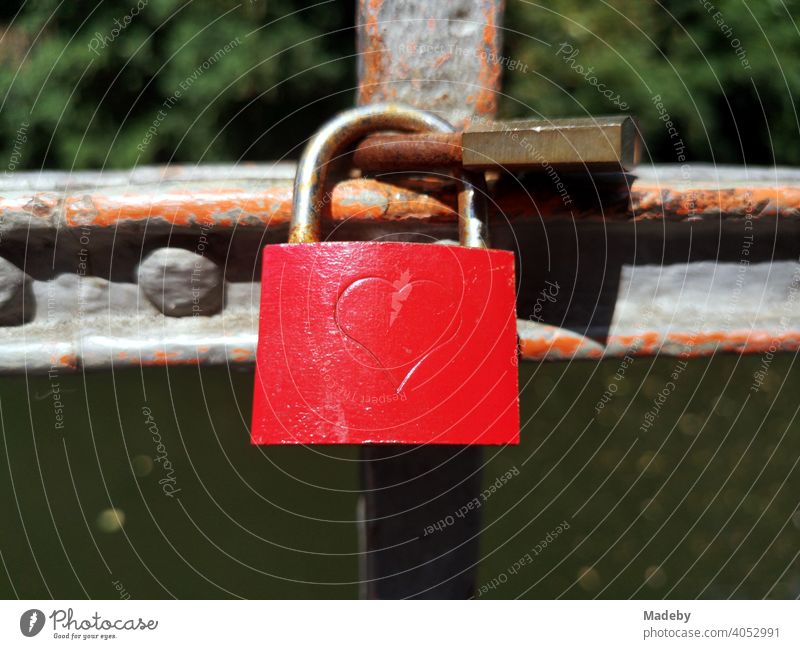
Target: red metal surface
<point>386,343</point>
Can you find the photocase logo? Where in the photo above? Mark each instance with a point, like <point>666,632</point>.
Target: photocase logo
<point>31,622</point>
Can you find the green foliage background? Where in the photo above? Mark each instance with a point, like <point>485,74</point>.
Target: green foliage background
<point>673,48</point>
<point>90,110</point>
<point>295,66</point>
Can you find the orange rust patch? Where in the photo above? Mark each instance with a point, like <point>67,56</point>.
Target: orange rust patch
<point>652,343</point>
<point>65,360</point>
<point>180,208</point>
<point>653,201</point>
<point>242,355</point>
<point>372,53</point>
<point>746,342</point>
<point>39,205</point>
<point>370,199</point>
<point>559,347</point>
<point>373,200</point>
<point>361,198</point>
<point>485,103</point>
<point>154,362</point>
<point>643,344</point>
<point>42,204</point>
<point>440,60</point>
<point>162,358</point>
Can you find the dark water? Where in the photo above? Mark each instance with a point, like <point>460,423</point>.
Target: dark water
<point>703,503</point>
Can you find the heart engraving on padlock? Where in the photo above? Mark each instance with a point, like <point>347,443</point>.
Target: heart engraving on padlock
<point>399,324</point>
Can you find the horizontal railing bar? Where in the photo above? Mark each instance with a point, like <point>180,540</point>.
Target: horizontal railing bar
<point>254,196</point>
<point>73,246</point>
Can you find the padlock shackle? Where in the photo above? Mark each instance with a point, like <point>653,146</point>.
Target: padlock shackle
<point>349,127</point>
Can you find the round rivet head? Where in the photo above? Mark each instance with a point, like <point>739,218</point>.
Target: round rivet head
<point>181,283</point>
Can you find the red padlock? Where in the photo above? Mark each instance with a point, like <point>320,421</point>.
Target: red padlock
<point>384,342</point>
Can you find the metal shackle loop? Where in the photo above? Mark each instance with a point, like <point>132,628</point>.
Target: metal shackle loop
<point>347,128</point>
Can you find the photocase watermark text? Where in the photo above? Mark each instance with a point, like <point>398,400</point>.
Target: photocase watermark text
<point>101,41</point>
<point>569,55</point>
<point>727,31</point>
<point>168,482</point>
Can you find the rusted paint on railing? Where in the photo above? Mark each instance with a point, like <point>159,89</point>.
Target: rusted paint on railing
<point>555,344</point>
<point>372,51</point>
<point>161,347</point>
<point>377,200</point>
<point>658,202</point>
<point>365,199</point>
<point>483,99</point>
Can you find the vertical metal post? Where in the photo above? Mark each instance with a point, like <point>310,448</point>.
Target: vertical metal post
<point>443,57</point>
